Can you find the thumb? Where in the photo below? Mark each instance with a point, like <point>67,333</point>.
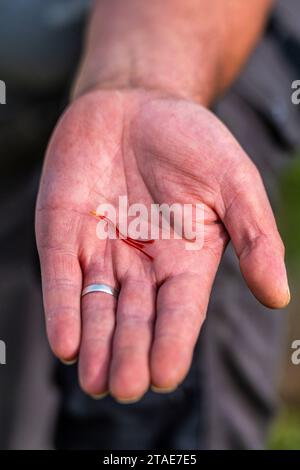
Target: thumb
<point>247,215</point>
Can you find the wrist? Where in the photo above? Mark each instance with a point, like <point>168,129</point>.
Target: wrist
<point>200,91</point>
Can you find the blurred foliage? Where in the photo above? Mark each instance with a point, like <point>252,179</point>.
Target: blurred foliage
<point>289,215</point>
<point>285,434</point>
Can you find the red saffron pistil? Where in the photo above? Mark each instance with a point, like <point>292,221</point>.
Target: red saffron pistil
<point>137,244</point>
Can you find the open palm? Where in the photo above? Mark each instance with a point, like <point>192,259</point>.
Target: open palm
<point>151,149</point>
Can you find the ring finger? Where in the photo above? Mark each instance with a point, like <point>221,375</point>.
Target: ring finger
<point>98,322</point>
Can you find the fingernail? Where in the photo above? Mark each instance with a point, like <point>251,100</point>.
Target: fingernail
<point>288,296</point>
<point>127,401</point>
<point>163,390</point>
<point>68,363</point>
<point>99,396</point>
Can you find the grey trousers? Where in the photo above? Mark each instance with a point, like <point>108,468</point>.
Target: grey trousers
<point>230,395</point>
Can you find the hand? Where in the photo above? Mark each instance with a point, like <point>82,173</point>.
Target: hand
<point>152,149</point>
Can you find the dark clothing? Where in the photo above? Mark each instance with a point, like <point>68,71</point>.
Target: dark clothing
<point>229,396</point>
<point>40,42</point>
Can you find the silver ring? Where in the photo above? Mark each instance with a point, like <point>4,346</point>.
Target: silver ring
<point>105,288</point>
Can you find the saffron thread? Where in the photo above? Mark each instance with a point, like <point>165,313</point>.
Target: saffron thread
<point>137,244</point>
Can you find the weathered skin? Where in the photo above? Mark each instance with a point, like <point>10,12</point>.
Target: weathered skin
<point>153,148</point>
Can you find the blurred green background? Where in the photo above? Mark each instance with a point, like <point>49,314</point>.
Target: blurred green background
<point>285,434</point>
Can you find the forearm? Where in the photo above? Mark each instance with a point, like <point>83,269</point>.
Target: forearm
<point>189,48</point>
